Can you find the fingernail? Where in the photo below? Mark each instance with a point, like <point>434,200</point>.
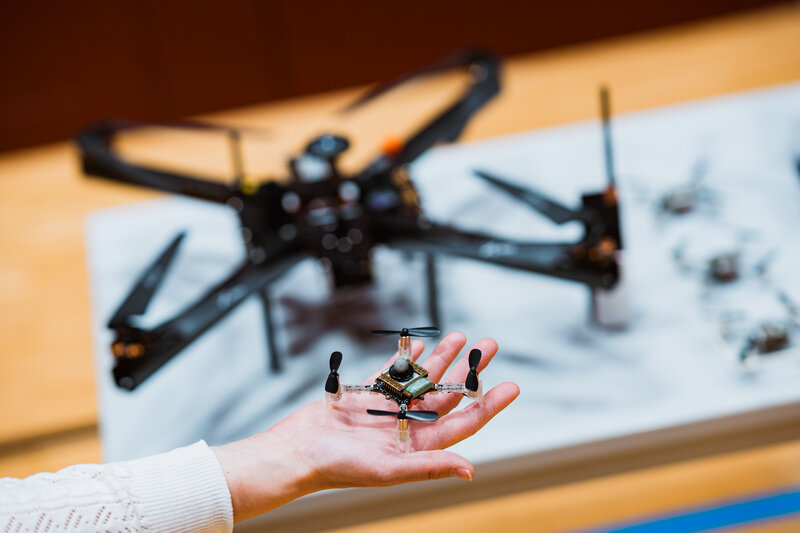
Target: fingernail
<point>463,473</point>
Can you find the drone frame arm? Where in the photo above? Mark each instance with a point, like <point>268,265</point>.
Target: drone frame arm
<point>99,159</point>
<point>448,125</point>
<point>553,259</point>
<point>157,346</point>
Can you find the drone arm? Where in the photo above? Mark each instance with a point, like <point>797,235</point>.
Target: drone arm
<point>553,259</point>
<point>460,388</point>
<point>99,159</point>
<point>447,126</point>
<point>358,388</point>
<point>457,388</point>
<point>158,346</point>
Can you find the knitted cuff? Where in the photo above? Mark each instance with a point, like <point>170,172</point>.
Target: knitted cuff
<point>181,490</point>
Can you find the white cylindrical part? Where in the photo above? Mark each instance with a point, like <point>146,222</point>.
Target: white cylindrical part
<point>611,307</point>
<point>404,347</point>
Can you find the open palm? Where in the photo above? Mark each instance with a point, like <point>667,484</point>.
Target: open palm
<point>344,446</point>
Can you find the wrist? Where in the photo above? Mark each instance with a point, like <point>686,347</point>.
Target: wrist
<point>263,472</point>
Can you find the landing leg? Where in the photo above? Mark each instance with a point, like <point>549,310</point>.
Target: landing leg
<point>433,289</point>
<point>272,349</point>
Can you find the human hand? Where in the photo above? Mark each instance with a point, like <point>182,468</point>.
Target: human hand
<point>317,448</point>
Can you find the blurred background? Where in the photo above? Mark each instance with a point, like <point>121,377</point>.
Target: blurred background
<point>64,65</point>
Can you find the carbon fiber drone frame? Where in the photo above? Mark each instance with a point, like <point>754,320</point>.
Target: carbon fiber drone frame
<point>336,218</point>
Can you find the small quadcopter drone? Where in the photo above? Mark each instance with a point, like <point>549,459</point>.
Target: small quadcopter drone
<point>691,196</point>
<point>766,337</point>
<point>405,382</point>
<point>732,262</point>
<point>318,211</point>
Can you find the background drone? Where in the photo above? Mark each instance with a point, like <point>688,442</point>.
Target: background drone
<point>405,382</point>
<point>320,210</point>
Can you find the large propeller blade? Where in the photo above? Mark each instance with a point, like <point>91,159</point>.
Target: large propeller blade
<point>428,331</point>
<point>471,383</point>
<point>533,198</point>
<point>421,416</point>
<point>332,383</point>
<point>146,286</point>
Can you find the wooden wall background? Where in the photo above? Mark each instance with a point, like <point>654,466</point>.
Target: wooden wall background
<point>65,64</point>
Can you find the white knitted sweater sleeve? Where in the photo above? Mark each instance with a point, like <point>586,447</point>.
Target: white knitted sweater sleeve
<point>182,490</point>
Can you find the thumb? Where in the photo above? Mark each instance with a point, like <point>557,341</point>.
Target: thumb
<point>437,464</point>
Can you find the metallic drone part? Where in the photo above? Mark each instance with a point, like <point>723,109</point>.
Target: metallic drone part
<point>328,146</point>
<point>310,168</point>
<point>771,337</point>
<point>679,201</point>
<point>724,267</point>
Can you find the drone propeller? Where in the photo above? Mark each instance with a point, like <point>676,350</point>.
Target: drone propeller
<point>139,298</point>
<point>535,199</point>
<point>428,331</point>
<point>332,384</point>
<point>421,416</point>
<point>471,383</point>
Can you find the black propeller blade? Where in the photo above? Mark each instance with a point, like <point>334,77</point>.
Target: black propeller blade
<point>332,383</point>
<point>421,416</point>
<point>537,200</point>
<point>137,301</point>
<point>429,331</point>
<point>471,383</point>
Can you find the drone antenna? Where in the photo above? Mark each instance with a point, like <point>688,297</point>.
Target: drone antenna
<point>235,139</point>
<point>605,113</point>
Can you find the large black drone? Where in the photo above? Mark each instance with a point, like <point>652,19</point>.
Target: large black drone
<point>405,382</point>
<point>321,212</point>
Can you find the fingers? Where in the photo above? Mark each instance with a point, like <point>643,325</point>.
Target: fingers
<point>459,425</point>
<point>444,403</point>
<point>417,347</point>
<point>458,373</point>
<point>433,464</point>
<point>444,354</point>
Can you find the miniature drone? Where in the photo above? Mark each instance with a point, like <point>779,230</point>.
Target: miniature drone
<point>725,266</point>
<point>691,196</point>
<point>405,382</point>
<point>764,337</point>
<point>320,212</point>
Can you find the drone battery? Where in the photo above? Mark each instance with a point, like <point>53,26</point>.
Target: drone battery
<point>418,386</point>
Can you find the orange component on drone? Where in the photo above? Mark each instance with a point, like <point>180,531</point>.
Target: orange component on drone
<point>392,146</point>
